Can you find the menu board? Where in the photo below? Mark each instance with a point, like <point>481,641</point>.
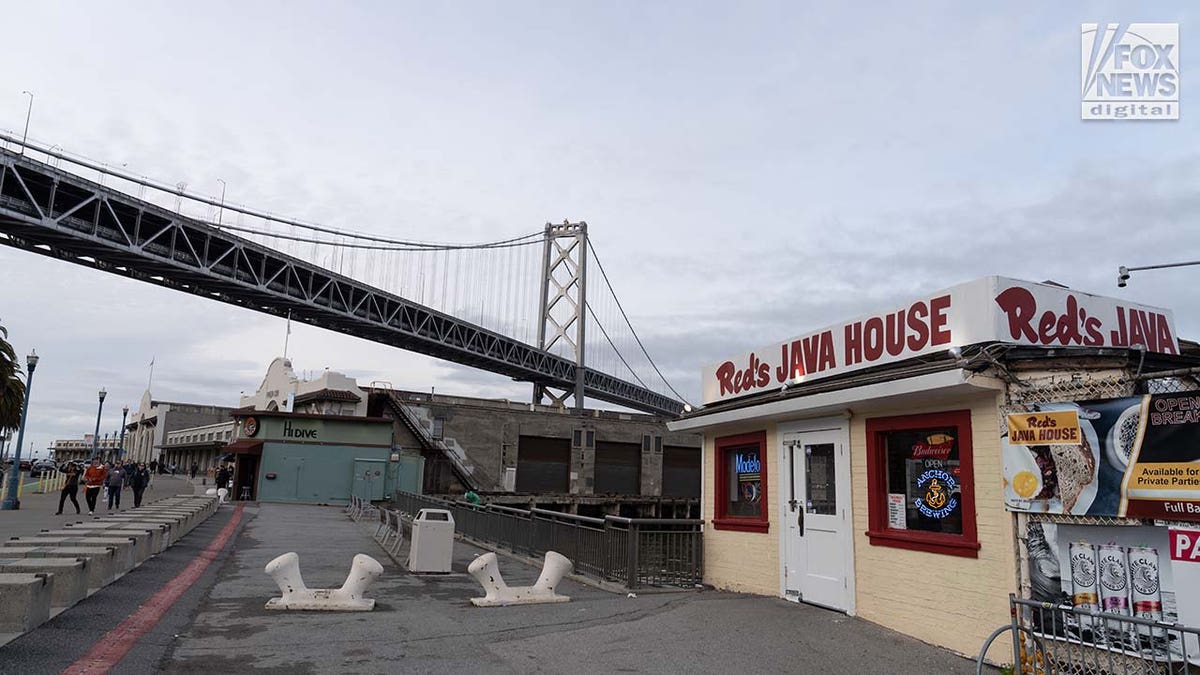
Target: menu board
<point>1136,457</point>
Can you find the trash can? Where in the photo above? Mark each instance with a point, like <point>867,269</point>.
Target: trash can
<point>432,541</point>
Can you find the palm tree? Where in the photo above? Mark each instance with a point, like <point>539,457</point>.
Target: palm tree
<point>12,387</point>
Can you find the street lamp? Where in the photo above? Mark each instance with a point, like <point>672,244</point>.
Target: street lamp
<point>96,436</point>
<point>124,414</point>
<point>11,503</point>
<point>1123,271</point>
<point>28,112</point>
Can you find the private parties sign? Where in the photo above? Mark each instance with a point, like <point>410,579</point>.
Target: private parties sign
<point>991,309</point>
<point>1136,457</point>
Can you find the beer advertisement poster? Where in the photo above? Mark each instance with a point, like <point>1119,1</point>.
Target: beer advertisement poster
<point>1137,457</point>
<point>1127,571</point>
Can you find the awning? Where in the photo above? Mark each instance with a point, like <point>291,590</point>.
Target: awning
<point>244,446</point>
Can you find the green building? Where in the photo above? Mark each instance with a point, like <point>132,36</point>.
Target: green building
<point>317,459</point>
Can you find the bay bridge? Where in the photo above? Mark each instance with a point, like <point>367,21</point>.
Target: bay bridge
<point>523,306</point>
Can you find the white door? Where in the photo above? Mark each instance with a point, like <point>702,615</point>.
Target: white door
<point>815,511</point>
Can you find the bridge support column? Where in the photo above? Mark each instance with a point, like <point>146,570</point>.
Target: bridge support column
<point>563,315</point>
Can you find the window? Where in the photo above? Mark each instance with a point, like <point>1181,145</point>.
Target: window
<point>741,483</point>
<point>439,425</point>
<point>921,487</point>
<point>583,438</point>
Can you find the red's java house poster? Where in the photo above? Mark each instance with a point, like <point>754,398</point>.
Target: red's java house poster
<point>1135,457</point>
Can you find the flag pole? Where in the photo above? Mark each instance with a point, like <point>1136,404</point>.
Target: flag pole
<point>287,335</point>
<point>151,379</point>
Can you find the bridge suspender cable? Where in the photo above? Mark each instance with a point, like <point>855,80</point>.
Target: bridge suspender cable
<point>625,316</point>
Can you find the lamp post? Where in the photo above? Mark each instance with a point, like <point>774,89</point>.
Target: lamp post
<point>96,436</point>
<point>1123,271</point>
<point>11,503</point>
<point>121,450</point>
<point>28,112</point>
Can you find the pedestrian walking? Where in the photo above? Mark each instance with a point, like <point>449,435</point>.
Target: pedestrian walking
<point>93,480</point>
<point>223,476</point>
<point>139,481</point>
<point>70,487</point>
<point>195,468</point>
<point>153,465</point>
<point>115,481</point>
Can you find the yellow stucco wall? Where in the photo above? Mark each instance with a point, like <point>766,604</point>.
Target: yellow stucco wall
<point>746,562</point>
<point>946,600</point>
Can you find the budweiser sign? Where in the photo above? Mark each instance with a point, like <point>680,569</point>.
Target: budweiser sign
<point>985,310</point>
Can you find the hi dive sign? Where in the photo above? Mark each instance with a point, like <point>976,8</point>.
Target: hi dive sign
<point>991,309</point>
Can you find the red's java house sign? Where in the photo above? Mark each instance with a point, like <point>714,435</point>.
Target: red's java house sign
<point>984,310</point>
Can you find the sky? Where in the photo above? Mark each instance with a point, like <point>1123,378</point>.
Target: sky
<point>749,171</point>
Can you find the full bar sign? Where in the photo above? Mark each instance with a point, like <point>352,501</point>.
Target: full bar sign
<point>991,309</point>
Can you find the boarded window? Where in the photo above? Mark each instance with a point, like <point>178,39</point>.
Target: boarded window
<point>681,472</point>
<point>618,468</point>
<point>543,464</point>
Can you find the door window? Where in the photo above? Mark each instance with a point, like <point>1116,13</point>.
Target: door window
<point>820,483</point>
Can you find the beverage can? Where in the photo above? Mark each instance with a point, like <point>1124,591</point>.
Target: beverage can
<point>1112,567</point>
<point>1085,594</point>
<point>1145,591</point>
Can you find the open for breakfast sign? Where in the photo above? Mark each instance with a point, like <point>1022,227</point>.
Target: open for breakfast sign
<point>991,309</point>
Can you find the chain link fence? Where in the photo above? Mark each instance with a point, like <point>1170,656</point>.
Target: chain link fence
<point>1028,391</point>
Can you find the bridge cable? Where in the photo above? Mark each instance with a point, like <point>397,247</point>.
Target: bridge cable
<point>625,316</point>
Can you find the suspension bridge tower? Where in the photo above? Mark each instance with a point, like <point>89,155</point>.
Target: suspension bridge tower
<point>564,303</point>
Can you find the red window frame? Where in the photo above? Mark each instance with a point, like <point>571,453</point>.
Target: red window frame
<point>721,519</point>
<point>965,544</point>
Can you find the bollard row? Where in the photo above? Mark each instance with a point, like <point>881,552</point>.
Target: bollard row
<point>46,573</point>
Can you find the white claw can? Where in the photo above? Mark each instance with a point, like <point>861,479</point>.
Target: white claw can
<point>1112,567</point>
<point>1085,582</point>
<point>1145,590</point>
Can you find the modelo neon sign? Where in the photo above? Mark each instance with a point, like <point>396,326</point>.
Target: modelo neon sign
<point>748,463</point>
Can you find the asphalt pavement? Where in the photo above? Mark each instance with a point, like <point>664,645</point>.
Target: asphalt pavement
<point>425,623</point>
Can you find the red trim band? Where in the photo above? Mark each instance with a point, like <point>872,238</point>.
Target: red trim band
<point>110,649</point>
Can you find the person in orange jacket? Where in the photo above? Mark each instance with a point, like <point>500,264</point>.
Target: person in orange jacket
<point>93,480</point>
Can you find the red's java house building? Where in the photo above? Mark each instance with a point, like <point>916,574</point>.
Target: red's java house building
<point>858,467</point>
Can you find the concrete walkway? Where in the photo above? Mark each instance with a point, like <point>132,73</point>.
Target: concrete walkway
<point>425,624</point>
<point>37,510</point>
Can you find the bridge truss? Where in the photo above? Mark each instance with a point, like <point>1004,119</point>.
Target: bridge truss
<point>55,213</point>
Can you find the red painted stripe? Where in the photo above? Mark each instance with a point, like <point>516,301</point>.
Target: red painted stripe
<point>111,648</point>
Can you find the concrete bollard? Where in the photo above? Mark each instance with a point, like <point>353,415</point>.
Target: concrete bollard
<point>486,570</point>
<point>210,491</point>
<point>285,570</point>
<point>24,602</point>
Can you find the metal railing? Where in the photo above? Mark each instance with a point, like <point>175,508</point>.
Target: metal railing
<point>635,552</point>
<point>1049,638</point>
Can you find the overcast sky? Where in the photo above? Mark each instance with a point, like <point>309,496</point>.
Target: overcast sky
<point>749,171</point>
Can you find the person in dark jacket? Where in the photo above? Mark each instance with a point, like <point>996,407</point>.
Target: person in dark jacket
<point>70,487</point>
<point>195,468</point>
<point>139,481</point>
<point>223,476</point>
<point>114,482</point>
